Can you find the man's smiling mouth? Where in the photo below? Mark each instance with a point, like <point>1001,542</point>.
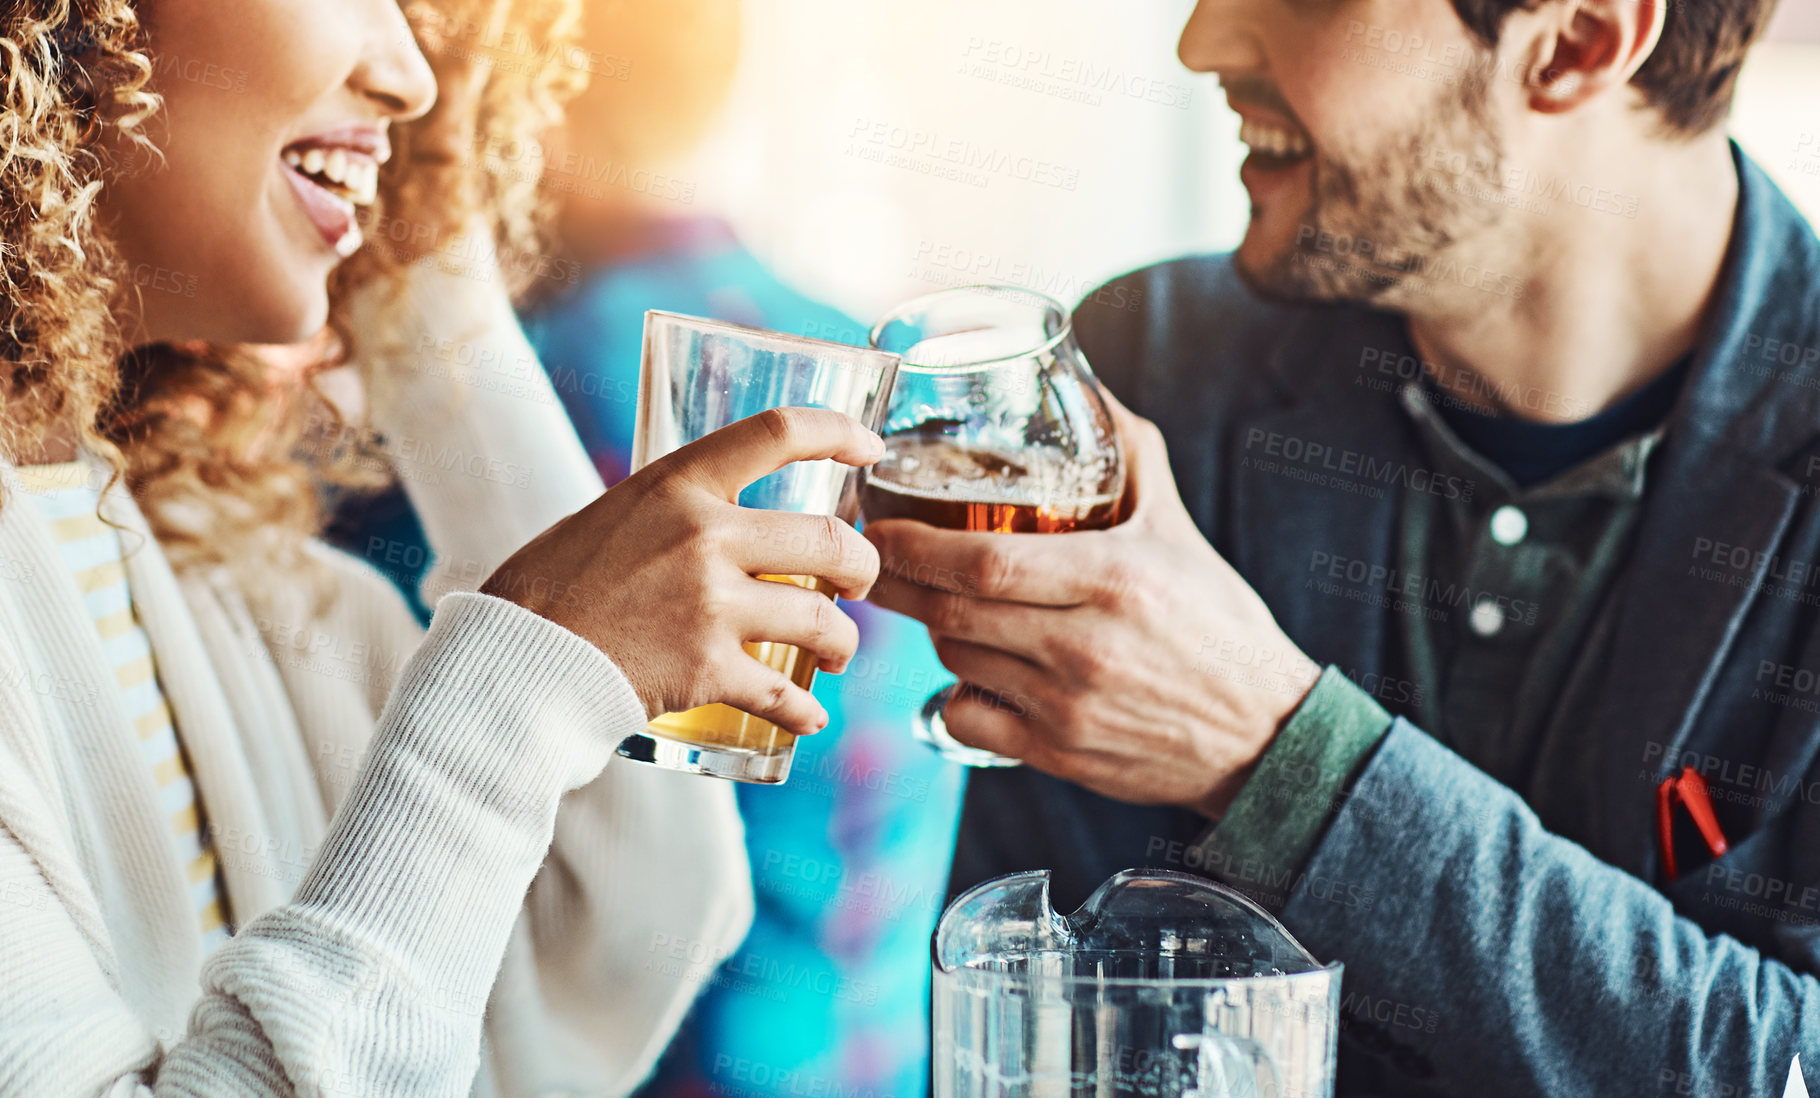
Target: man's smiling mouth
<point>1272,141</point>
<point>1267,125</point>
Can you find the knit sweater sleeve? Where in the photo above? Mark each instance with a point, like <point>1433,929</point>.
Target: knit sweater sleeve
<point>489,459</point>
<point>375,977</point>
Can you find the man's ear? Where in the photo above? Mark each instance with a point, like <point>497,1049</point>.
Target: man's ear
<point>1582,49</point>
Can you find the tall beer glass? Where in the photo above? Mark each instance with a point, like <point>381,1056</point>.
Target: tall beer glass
<point>996,424</point>
<point>699,376</point>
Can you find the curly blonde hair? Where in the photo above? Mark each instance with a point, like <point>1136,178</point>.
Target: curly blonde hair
<point>224,460</point>
<point>72,70</point>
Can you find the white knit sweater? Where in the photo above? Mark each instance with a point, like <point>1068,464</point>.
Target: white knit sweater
<point>470,906</point>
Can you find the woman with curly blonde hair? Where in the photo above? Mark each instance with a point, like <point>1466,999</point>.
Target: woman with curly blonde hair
<point>259,834</point>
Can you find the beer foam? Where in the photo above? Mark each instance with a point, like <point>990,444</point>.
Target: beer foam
<point>1011,494</point>
<point>1037,477</point>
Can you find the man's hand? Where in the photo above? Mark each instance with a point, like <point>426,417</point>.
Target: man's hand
<point>1133,661</point>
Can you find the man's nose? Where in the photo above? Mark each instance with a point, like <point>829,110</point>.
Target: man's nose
<point>1223,36</point>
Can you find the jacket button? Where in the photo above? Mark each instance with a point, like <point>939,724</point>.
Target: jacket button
<point>1487,619</point>
<point>1509,525</point>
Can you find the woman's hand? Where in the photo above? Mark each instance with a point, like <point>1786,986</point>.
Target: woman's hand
<point>660,573</point>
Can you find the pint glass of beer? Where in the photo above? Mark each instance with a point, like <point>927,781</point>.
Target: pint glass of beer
<point>996,424</point>
<point>702,375</point>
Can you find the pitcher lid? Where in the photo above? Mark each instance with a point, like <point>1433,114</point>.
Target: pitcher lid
<point>1141,925</point>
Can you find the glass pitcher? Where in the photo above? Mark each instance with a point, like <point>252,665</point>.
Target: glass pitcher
<point>1163,985</point>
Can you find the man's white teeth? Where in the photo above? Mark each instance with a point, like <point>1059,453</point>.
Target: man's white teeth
<point>313,162</point>
<point>1274,140</point>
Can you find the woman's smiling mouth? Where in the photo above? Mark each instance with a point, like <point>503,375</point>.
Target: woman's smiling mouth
<point>333,174</point>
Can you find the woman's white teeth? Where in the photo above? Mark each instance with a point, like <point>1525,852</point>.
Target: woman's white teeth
<point>355,178</point>
<point>1274,140</point>
<point>363,181</point>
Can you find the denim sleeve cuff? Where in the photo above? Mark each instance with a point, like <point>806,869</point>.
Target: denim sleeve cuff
<point>1275,824</point>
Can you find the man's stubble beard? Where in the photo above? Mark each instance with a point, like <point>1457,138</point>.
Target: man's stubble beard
<point>1375,234</point>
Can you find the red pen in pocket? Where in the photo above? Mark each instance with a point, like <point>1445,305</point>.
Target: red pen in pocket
<point>1688,789</point>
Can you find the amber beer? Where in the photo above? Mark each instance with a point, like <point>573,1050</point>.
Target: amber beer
<point>967,488</point>
<point>725,726</point>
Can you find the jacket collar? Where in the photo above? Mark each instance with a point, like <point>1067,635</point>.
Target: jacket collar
<point>1747,411</point>
<point>1754,375</point>
<point>1752,403</point>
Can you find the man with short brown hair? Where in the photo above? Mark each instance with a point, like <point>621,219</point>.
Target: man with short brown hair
<point>1469,614</point>
<point>1689,78</point>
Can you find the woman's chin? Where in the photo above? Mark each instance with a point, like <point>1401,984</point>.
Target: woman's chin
<point>285,298</point>
<point>263,302</point>
<point>290,319</point>
<point>302,328</point>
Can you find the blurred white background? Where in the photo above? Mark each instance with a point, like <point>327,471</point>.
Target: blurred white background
<point>1074,143</point>
<point>876,151</point>
<point>1778,112</point>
